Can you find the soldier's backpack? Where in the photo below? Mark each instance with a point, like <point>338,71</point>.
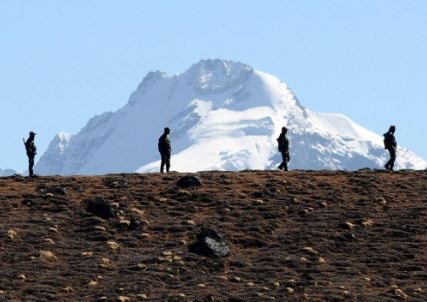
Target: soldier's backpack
<point>388,140</point>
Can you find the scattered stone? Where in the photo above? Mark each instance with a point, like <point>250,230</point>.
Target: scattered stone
<point>189,181</point>
<point>115,205</point>
<point>259,201</point>
<point>138,212</point>
<point>22,277</point>
<point>201,285</point>
<point>209,243</point>
<point>113,245</point>
<point>68,289</point>
<point>276,284</point>
<point>101,208</point>
<point>12,234</point>
<point>250,284</point>
<point>381,200</point>
<point>123,299</point>
<point>323,204</point>
<point>49,195</point>
<point>124,223</point>
<point>87,254</point>
<point>48,240</point>
<point>290,290</point>
<point>93,283</point>
<point>310,250</point>
<point>46,254</point>
<point>321,260</point>
<point>400,293</point>
<point>141,296</point>
<point>367,222</point>
<point>54,230</point>
<point>100,228</point>
<point>348,225</point>
<point>236,279</point>
<point>105,262</point>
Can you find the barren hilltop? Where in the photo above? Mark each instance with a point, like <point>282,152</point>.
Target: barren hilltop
<point>314,236</point>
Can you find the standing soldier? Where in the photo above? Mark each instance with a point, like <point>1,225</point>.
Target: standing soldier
<point>165,150</point>
<point>31,149</point>
<point>391,146</point>
<point>284,149</point>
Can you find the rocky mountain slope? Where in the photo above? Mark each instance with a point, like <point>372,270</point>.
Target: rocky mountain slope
<point>298,236</point>
<point>224,116</point>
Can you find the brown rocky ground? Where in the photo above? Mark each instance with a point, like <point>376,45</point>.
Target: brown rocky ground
<point>314,236</point>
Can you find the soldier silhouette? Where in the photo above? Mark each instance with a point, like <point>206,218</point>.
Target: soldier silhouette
<point>391,146</point>
<point>283,144</point>
<point>31,149</point>
<point>165,150</point>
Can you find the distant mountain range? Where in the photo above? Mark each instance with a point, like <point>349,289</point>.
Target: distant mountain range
<point>7,172</point>
<point>223,115</point>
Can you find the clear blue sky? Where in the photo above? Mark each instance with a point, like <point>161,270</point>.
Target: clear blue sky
<point>62,62</point>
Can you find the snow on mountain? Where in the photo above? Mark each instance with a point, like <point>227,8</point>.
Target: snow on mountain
<point>224,115</point>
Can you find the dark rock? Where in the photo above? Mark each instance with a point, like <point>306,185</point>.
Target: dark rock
<point>57,190</point>
<point>189,181</point>
<point>208,232</point>
<point>43,189</point>
<point>115,183</point>
<point>101,208</point>
<point>209,243</point>
<point>135,224</point>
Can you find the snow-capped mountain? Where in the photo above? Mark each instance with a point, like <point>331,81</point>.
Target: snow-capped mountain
<point>223,115</point>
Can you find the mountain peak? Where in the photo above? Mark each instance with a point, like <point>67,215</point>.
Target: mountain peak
<point>212,76</point>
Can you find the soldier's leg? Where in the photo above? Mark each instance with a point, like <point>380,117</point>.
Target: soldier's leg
<point>284,164</point>
<point>163,161</point>
<point>168,162</point>
<point>30,166</point>
<point>387,164</point>
<point>392,158</point>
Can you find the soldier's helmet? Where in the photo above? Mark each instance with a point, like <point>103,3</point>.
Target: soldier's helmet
<point>392,128</point>
<point>32,133</point>
<point>167,130</point>
<point>284,129</point>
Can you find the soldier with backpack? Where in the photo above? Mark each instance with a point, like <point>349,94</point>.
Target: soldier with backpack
<point>31,149</point>
<point>390,145</point>
<point>283,145</point>
<point>165,150</point>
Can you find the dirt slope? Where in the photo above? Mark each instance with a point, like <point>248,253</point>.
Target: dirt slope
<point>315,236</point>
